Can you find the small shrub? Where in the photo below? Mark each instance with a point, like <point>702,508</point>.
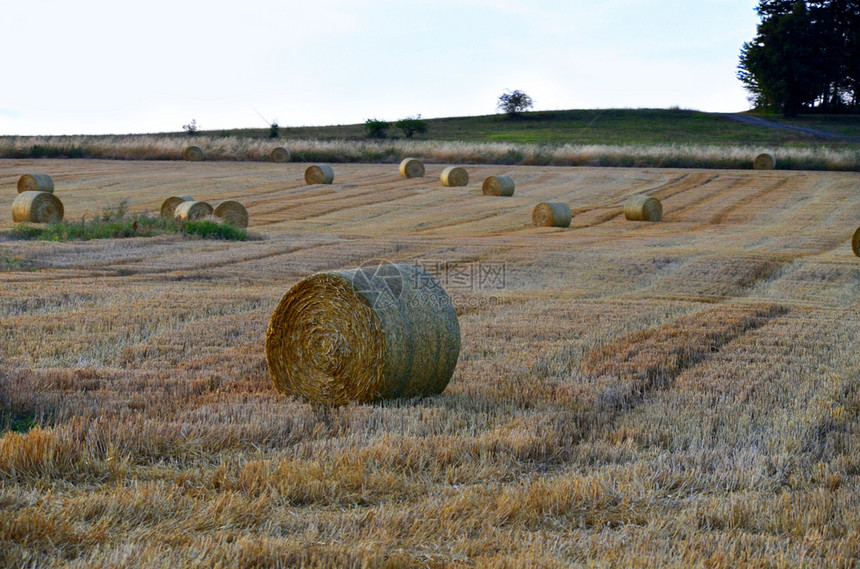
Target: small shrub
<point>375,128</point>
<point>211,230</point>
<point>274,129</point>
<point>411,125</point>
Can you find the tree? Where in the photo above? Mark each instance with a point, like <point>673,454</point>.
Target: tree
<point>274,129</point>
<point>190,128</point>
<point>411,125</point>
<point>514,103</point>
<point>375,128</point>
<point>804,55</point>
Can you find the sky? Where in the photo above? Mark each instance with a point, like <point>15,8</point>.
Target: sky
<point>122,67</point>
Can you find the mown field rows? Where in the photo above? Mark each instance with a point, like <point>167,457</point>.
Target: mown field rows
<point>685,393</point>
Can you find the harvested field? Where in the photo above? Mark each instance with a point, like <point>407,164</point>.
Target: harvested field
<point>675,394</point>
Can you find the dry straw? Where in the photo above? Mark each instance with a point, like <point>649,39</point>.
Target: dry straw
<point>551,214</point>
<point>36,183</point>
<point>855,242</point>
<point>764,161</point>
<point>232,212</point>
<point>455,176</point>
<point>498,186</point>
<point>37,207</point>
<point>411,168</point>
<point>319,174</point>
<point>191,211</point>
<point>643,208</point>
<point>280,154</point>
<point>367,334</point>
<point>194,154</point>
<point>168,207</point>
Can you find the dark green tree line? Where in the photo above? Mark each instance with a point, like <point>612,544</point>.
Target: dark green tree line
<point>805,55</point>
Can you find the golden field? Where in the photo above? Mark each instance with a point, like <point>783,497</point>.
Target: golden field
<point>674,394</point>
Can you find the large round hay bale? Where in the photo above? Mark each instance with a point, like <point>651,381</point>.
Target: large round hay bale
<point>168,207</point>
<point>232,212</point>
<point>551,214</point>
<point>855,242</point>
<point>764,161</point>
<point>192,211</point>
<point>366,334</point>
<point>411,168</point>
<point>455,176</point>
<point>37,207</point>
<point>643,208</point>
<point>193,154</point>
<point>498,186</point>
<point>319,174</point>
<point>36,183</point>
<point>280,154</point>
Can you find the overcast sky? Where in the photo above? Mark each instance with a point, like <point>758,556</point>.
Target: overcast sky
<point>109,66</point>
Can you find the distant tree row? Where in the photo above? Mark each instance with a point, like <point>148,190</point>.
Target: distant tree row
<point>805,55</point>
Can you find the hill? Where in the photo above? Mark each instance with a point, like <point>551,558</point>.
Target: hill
<point>607,126</point>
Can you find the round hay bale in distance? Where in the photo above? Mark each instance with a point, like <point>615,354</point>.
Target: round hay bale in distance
<point>764,161</point>
<point>168,207</point>
<point>192,211</point>
<point>643,208</point>
<point>37,207</point>
<point>377,332</point>
<point>319,174</point>
<point>551,214</point>
<point>855,242</point>
<point>280,154</point>
<point>411,168</point>
<point>232,212</point>
<point>455,176</point>
<point>194,154</point>
<point>36,183</point>
<point>498,186</point>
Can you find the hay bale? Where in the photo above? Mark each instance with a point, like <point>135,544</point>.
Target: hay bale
<point>35,183</point>
<point>551,214</point>
<point>280,154</point>
<point>232,212</point>
<point>764,161</point>
<point>363,335</point>
<point>643,208</point>
<point>37,207</point>
<point>319,174</point>
<point>455,176</point>
<point>855,242</point>
<point>498,186</point>
<point>192,211</point>
<point>168,207</point>
<point>411,168</point>
<point>193,154</point>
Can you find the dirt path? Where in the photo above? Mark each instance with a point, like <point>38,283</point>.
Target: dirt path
<point>793,128</point>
